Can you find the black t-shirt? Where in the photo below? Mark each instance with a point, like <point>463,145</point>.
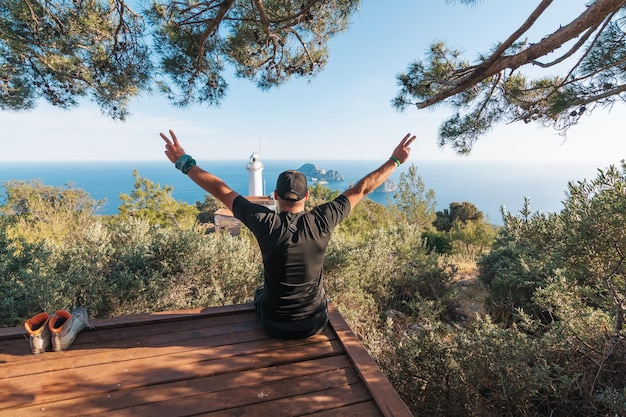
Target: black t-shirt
<point>292,256</point>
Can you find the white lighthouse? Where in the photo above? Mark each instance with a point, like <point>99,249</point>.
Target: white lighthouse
<point>255,177</point>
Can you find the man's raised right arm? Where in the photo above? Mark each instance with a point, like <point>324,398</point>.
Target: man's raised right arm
<point>377,177</point>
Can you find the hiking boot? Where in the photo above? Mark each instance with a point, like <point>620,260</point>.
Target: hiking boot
<point>65,326</point>
<point>39,333</point>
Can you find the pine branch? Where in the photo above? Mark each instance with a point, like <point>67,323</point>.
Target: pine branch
<point>594,14</point>
<point>212,28</point>
<point>572,50</point>
<point>605,94</point>
<point>265,20</point>
<point>494,85</point>
<point>516,35</point>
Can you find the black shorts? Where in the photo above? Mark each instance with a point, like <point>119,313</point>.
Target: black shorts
<point>295,329</point>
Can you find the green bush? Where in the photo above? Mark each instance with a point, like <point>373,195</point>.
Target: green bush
<point>559,281</point>
<point>42,212</point>
<point>113,264</point>
<point>439,242</point>
<point>525,254</point>
<point>154,203</point>
<point>484,371</point>
<point>25,283</point>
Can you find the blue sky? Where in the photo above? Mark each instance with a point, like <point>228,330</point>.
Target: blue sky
<point>343,113</point>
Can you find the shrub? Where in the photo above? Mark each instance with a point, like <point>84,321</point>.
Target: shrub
<point>25,286</point>
<point>439,242</point>
<point>155,204</point>
<point>46,212</point>
<point>525,254</point>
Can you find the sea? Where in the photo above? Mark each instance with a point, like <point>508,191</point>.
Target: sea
<point>489,185</point>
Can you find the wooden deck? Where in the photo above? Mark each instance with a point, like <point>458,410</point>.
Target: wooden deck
<point>210,362</point>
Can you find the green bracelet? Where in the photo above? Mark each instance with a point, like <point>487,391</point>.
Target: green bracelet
<point>396,160</point>
<point>185,163</point>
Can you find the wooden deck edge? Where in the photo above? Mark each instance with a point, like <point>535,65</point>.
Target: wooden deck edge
<point>387,399</point>
<point>140,319</point>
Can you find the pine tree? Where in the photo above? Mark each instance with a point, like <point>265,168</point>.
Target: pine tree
<point>61,50</point>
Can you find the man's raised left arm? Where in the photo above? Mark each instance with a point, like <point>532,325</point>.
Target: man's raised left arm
<point>207,181</point>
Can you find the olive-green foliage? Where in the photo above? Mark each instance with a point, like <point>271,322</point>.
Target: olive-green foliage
<point>592,358</point>
<point>413,201</point>
<point>116,265</point>
<point>437,241</point>
<point>386,269</point>
<point>207,209</point>
<point>128,267</point>
<point>594,242</point>
<point>23,271</point>
<point>473,237</point>
<point>484,371</point>
<point>368,215</point>
<point>462,212</point>
<point>559,279</point>
<point>523,257</point>
<point>585,243</point>
<point>561,350</point>
<point>44,212</point>
<point>461,229</point>
<point>319,194</point>
<point>151,202</point>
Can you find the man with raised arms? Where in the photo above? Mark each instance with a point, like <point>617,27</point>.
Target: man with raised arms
<point>291,303</point>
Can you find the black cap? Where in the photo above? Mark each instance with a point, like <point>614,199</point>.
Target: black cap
<point>291,185</point>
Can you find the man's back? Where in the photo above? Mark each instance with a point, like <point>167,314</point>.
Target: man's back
<point>293,247</point>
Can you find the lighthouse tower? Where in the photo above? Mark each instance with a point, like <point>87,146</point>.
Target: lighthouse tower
<point>255,178</point>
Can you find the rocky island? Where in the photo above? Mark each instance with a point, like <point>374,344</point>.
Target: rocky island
<point>313,171</point>
<point>322,176</point>
<point>388,186</point>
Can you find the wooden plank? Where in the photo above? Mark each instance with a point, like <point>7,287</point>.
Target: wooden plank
<point>109,377</point>
<point>110,334</point>
<point>58,362</point>
<point>388,400</point>
<point>365,409</point>
<point>99,403</point>
<point>241,396</point>
<point>300,405</point>
<point>193,323</point>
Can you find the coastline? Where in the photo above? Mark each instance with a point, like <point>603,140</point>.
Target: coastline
<point>486,184</point>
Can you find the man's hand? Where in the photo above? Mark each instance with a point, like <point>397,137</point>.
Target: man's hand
<point>209,182</point>
<point>173,150</point>
<point>402,151</point>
